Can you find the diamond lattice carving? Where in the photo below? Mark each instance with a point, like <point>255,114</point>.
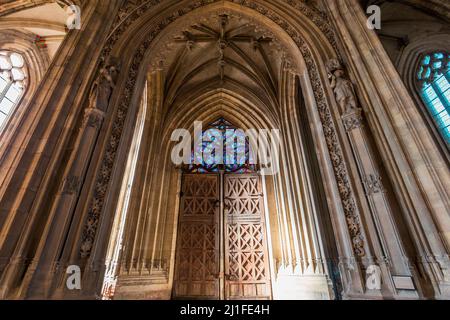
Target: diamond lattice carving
<point>246,249</point>
<point>242,196</point>
<point>200,195</point>
<point>245,253</point>
<point>245,243</point>
<point>197,260</point>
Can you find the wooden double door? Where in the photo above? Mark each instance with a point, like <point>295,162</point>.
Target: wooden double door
<point>221,245</point>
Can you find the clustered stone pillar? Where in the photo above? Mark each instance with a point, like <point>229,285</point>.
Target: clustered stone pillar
<point>47,172</point>
<point>418,171</point>
<point>301,270</point>
<point>386,243</point>
<point>68,195</point>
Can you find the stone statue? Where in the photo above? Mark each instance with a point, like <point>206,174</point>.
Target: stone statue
<point>102,89</point>
<point>343,88</point>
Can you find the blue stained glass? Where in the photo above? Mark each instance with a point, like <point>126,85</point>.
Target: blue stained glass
<point>438,106</point>
<point>447,95</point>
<point>447,130</point>
<point>430,93</point>
<point>436,89</point>
<point>443,83</point>
<point>437,65</point>
<point>236,156</point>
<point>445,119</point>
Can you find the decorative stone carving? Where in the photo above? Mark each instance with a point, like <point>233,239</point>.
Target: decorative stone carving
<point>132,10</point>
<point>342,87</point>
<point>99,99</point>
<point>353,120</point>
<point>128,7</point>
<point>373,184</point>
<point>333,144</point>
<point>340,169</point>
<point>102,89</point>
<point>86,245</point>
<point>220,21</point>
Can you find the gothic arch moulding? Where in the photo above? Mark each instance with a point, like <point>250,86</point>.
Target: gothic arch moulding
<point>309,42</point>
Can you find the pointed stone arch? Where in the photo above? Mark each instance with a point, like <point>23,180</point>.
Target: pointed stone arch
<point>311,77</point>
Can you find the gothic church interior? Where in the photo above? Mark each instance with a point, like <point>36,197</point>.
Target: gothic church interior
<point>93,206</point>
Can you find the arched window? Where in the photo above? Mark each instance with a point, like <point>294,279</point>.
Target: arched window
<point>12,84</point>
<point>236,156</point>
<point>434,82</point>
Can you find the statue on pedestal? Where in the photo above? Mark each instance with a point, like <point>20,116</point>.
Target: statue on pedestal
<point>342,87</point>
<point>101,92</point>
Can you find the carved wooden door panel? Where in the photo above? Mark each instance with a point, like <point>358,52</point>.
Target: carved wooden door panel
<point>246,256</point>
<point>198,254</point>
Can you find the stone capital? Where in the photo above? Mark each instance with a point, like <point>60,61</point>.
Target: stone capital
<point>373,184</point>
<point>93,118</point>
<point>353,119</point>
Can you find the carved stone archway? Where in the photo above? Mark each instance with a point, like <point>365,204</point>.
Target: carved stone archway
<point>89,209</point>
<point>324,113</point>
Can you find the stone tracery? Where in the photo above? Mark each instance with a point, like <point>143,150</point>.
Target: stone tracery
<point>222,75</point>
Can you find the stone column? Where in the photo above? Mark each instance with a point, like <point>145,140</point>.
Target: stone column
<point>66,199</point>
<point>419,173</point>
<point>139,259</point>
<point>389,252</point>
<point>40,163</point>
<point>302,272</point>
<point>62,212</point>
<point>391,256</point>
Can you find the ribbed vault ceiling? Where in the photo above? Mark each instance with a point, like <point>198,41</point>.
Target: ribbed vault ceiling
<point>220,51</point>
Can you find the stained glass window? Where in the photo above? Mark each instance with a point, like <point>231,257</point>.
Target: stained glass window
<point>222,147</point>
<point>12,84</point>
<point>434,80</point>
